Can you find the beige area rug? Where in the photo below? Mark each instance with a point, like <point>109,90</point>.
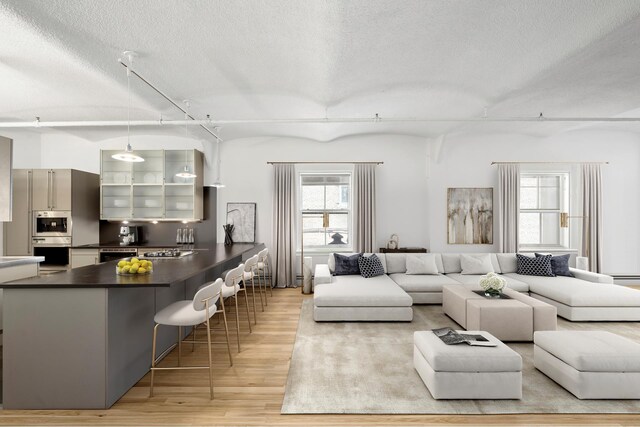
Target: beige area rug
<point>367,368</point>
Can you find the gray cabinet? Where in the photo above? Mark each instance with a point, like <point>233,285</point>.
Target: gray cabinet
<point>17,233</point>
<point>82,257</point>
<point>51,190</point>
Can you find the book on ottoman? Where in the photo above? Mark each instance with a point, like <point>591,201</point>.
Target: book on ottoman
<point>451,337</point>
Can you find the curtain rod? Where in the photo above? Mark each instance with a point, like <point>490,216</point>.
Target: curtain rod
<point>550,163</point>
<point>326,163</point>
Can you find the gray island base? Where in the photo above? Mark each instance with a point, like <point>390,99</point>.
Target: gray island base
<point>82,339</point>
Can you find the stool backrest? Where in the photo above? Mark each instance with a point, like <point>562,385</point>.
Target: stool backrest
<point>262,255</point>
<point>250,264</point>
<point>234,276</point>
<point>210,292</point>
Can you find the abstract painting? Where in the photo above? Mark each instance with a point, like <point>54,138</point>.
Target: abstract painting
<point>243,218</point>
<point>470,216</point>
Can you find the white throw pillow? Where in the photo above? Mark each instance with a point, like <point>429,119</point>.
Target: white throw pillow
<point>421,264</point>
<point>476,264</point>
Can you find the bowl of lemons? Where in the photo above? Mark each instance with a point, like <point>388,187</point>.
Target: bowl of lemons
<point>134,266</point>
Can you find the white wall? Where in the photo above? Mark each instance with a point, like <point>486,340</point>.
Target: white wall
<point>409,204</point>
<point>401,180</point>
<point>466,162</point>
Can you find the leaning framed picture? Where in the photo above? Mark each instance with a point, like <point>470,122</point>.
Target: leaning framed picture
<point>470,216</point>
<point>243,218</point>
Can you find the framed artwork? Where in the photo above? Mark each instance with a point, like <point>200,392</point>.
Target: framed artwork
<point>243,218</point>
<point>470,216</point>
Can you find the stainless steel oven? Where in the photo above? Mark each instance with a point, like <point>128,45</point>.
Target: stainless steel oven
<point>52,224</point>
<point>111,254</point>
<point>55,251</point>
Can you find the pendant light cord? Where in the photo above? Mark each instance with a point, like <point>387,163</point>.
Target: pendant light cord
<point>128,107</point>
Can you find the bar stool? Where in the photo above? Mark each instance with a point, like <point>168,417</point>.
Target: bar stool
<point>250,268</point>
<point>187,313</point>
<point>263,267</point>
<point>230,289</point>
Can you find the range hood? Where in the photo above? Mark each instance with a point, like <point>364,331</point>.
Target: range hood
<point>6,155</point>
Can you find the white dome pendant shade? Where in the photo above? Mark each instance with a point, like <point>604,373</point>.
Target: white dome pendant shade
<point>185,173</point>
<point>128,155</point>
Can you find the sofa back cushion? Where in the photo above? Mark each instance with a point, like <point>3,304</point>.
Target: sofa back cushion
<point>476,264</point>
<point>421,264</point>
<point>331,262</point>
<point>508,263</point>
<point>396,263</point>
<point>451,263</point>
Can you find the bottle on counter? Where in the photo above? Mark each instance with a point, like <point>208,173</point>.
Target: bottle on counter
<point>179,236</point>
<point>191,239</point>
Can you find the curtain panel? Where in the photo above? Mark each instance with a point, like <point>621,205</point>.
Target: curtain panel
<point>284,225</point>
<point>364,207</point>
<point>508,207</point>
<point>592,212</point>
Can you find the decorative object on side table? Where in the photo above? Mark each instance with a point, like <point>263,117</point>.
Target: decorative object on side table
<point>394,242</point>
<point>228,231</point>
<point>492,285</point>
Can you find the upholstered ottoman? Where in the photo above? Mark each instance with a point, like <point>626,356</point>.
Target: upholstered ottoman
<point>590,364</point>
<point>466,372</point>
<point>506,319</point>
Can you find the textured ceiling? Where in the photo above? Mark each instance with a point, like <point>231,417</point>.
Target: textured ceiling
<point>295,59</point>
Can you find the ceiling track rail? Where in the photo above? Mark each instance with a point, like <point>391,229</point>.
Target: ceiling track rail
<point>204,123</point>
<point>200,123</point>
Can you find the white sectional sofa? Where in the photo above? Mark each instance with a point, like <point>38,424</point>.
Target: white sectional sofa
<point>587,296</point>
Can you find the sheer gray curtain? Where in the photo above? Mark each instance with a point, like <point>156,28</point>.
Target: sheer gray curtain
<point>284,225</point>
<point>508,207</point>
<point>364,207</point>
<point>592,211</point>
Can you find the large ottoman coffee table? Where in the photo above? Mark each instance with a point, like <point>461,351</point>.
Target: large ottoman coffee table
<point>513,319</point>
<point>590,364</point>
<point>466,372</point>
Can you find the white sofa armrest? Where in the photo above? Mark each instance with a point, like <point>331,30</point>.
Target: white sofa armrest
<point>591,277</point>
<point>322,275</point>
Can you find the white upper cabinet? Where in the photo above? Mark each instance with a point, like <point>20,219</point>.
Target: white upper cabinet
<point>150,190</point>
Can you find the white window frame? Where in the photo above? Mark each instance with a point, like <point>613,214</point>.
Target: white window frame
<point>564,200</point>
<point>326,248</point>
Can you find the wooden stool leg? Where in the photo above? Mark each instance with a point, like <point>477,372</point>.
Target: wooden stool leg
<point>179,346</point>
<point>193,343</point>
<point>267,266</point>
<point>209,347</point>
<point>260,290</point>
<point>226,331</point>
<point>153,359</point>
<point>246,301</point>
<point>253,295</point>
<point>235,297</point>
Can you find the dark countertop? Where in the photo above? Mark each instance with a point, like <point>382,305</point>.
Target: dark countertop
<point>137,245</point>
<point>165,271</point>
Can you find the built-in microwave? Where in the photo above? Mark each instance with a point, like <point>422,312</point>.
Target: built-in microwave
<point>52,224</point>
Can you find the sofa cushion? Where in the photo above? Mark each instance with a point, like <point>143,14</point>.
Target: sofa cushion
<point>421,264</point>
<point>346,265</point>
<point>476,264</point>
<point>534,266</point>
<point>474,280</point>
<point>508,263</point>
<point>331,262</point>
<point>580,293</point>
<point>396,263</point>
<point>422,283</point>
<point>370,266</point>
<point>559,264</point>
<point>591,351</point>
<point>356,291</point>
<point>451,263</point>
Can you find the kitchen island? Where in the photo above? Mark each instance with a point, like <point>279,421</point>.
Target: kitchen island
<point>82,338</point>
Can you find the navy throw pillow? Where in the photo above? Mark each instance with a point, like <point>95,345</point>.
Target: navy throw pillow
<point>559,264</point>
<point>346,265</point>
<point>534,266</point>
<point>370,266</point>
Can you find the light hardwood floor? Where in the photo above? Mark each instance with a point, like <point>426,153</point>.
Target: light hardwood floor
<point>251,392</point>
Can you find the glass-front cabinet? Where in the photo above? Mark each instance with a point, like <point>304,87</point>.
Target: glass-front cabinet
<point>152,190</point>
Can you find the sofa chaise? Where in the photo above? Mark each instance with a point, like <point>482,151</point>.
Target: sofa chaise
<point>389,297</point>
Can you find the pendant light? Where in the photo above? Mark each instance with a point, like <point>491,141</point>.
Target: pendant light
<point>128,155</point>
<point>217,183</point>
<point>186,173</point>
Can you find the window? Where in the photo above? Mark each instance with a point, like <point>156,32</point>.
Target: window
<point>542,197</point>
<point>325,210</point>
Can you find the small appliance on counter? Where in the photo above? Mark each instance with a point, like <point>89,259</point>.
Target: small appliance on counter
<point>129,234</point>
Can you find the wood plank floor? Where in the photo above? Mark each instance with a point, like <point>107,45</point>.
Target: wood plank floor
<point>251,392</point>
